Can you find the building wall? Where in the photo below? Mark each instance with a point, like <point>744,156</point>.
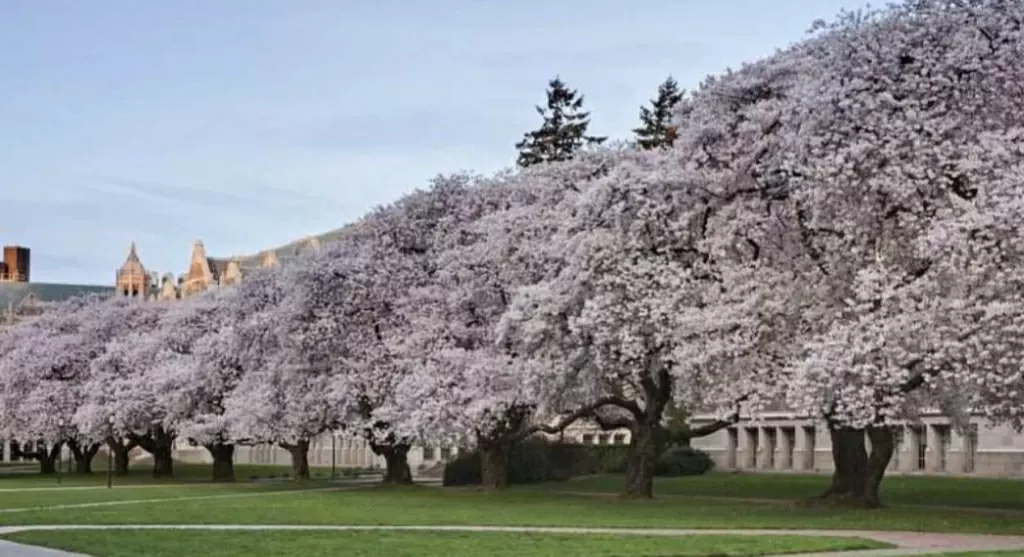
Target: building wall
<point>783,443</point>
<point>345,452</point>
<point>16,265</point>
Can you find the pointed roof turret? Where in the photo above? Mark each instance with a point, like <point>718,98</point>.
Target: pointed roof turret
<point>132,264</point>
<point>269,259</point>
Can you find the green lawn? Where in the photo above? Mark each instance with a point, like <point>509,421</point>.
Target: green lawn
<point>896,490</point>
<point>727,501</point>
<point>986,554</point>
<point>141,474</point>
<point>163,543</point>
<point>432,505</point>
<point>36,497</point>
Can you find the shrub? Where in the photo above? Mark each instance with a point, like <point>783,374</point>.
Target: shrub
<point>462,470</point>
<point>539,460</point>
<point>683,461</point>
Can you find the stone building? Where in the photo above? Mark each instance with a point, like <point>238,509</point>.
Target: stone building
<point>20,297</point>
<point>782,441</point>
<point>204,272</point>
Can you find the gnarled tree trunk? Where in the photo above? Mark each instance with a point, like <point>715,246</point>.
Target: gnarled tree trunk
<point>159,444</point>
<point>163,462</point>
<point>850,459</point>
<point>299,452</point>
<point>47,457</point>
<point>642,455</point>
<point>857,475</point>
<point>120,452</point>
<point>883,444</point>
<point>223,461</point>
<point>83,456</point>
<point>396,461</point>
<point>494,463</point>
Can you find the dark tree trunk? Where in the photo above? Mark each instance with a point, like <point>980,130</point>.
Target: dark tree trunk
<point>883,443</point>
<point>858,474</point>
<point>47,458</point>
<point>850,459</point>
<point>163,463</point>
<point>223,461</point>
<point>83,456</point>
<point>642,456</point>
<point>494,464</point>
<point>299,452</point>
<point>159,444</point>
<point>396,461</point>
<point>120,452</point>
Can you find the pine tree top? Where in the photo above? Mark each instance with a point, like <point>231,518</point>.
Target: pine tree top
<point>656,129</point>
<point>564,130</point>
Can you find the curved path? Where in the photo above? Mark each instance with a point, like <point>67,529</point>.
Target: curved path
<point>907,543</point>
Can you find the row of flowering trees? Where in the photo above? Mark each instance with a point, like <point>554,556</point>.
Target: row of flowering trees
<point>836,229</point>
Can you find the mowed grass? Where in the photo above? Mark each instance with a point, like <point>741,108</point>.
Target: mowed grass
<point>141,473</point>
<point>989,493</point>
<point>164,543</point>
<point>421,505</point>
<point>985,554</point>
<point>21,499</point>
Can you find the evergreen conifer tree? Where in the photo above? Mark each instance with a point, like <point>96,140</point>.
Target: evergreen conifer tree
<point>657,130</point>
<point>563,132</point>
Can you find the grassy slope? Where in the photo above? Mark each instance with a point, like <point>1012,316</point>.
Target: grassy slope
<point>421,544</point>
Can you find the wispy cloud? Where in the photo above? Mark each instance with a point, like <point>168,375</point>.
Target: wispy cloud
<point>257,197</point>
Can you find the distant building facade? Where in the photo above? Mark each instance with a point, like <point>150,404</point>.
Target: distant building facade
<point>19,297</point>
<point>782,441</point>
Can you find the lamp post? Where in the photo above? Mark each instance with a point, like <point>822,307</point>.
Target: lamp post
<point>60,447</point>
<point>110,452</point>
<point>334,438</point>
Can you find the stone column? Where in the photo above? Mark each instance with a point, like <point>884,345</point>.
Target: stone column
<point>956,457</point>
<point>731,442</point>
<point>6,447</point>
<point>908,460</point>
<point>802,456</point>
<point>932,460</point>
<point>764,448</point>
<point>784,460</point>
<point>749,446</point>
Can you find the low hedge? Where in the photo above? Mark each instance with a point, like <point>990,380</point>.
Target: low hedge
<point>683,461</point>
<point>537,460</point>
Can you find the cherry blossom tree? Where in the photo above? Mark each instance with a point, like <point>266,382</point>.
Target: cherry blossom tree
<point>352,288</point>
<point>284,397</point>
<point>652,306</point>
<point>53,372</point>
<point>884,150</point>
<point>20,415</point>
<point>122,401</point>
<point>201,367</point>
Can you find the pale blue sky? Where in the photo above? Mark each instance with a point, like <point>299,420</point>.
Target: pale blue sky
<point>250,123</point>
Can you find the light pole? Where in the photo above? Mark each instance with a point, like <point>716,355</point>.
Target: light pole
<point>60,446</point>
<point>334,438</point>
<point>110,452</point>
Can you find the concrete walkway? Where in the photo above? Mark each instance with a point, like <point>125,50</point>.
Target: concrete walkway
<point>907,543</point>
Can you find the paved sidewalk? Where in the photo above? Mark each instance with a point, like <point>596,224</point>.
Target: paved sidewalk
<point>907,543</point>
